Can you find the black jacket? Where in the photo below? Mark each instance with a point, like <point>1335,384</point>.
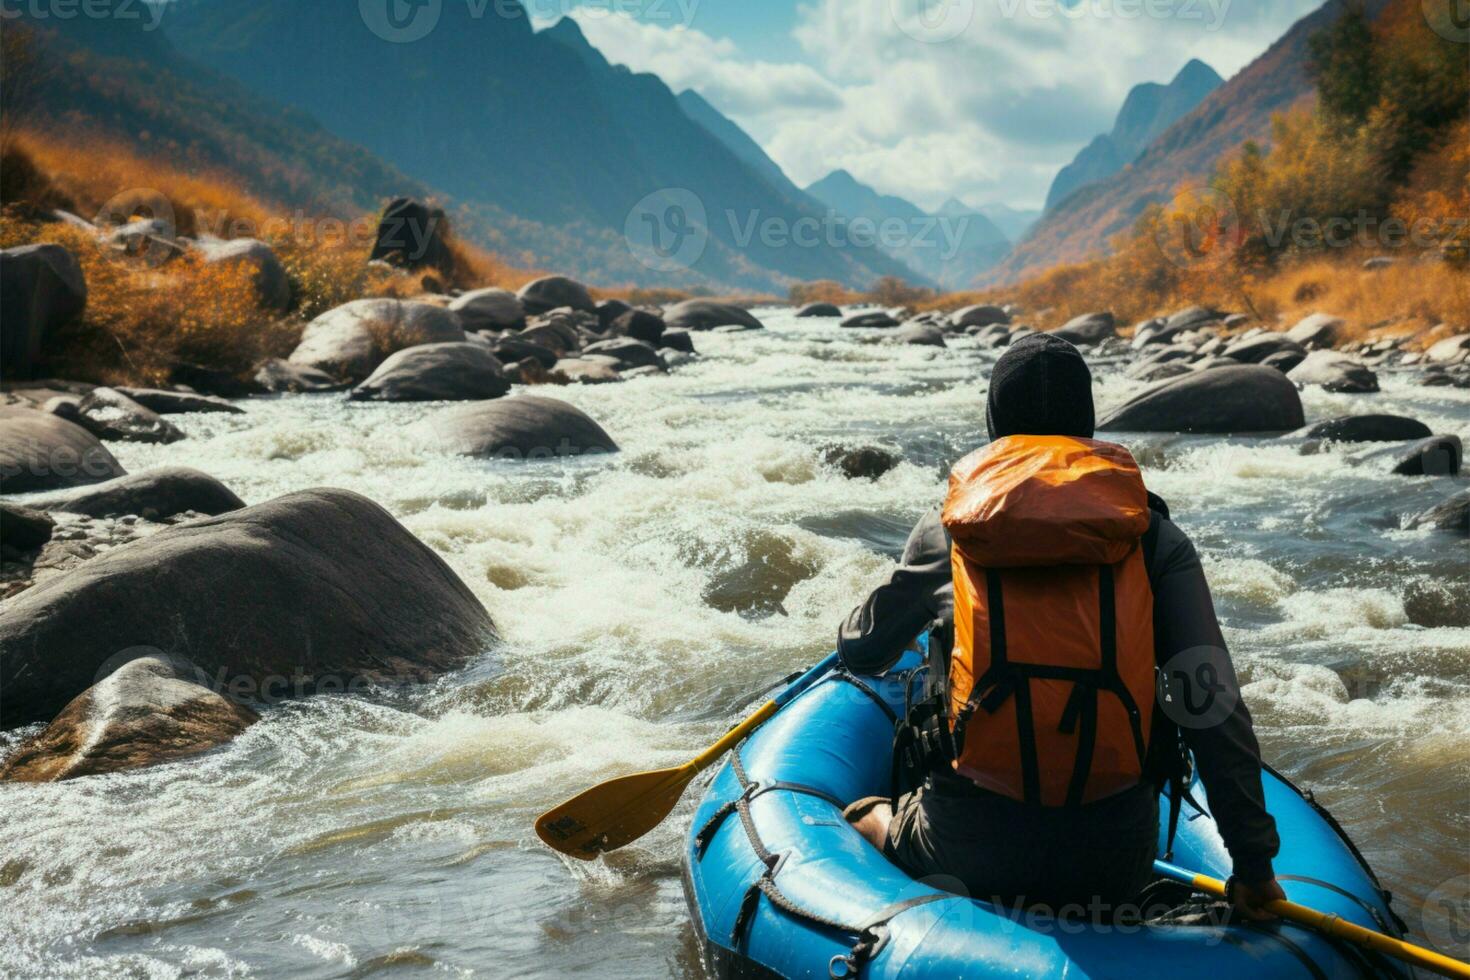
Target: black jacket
<point>1225,751</point>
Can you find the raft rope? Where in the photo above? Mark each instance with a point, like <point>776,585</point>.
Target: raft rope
<point>872,934</point>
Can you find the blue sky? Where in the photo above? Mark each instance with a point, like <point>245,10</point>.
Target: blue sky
<point>979,99</point>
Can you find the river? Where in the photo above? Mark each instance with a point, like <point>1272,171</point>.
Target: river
<point>646,600</point>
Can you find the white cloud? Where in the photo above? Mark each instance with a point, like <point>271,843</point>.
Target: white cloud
<point>901,96</point>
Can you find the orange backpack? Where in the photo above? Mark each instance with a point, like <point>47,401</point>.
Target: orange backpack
<point>1051,678</point>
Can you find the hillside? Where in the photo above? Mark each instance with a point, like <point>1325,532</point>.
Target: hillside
<point>737,140</point>
<point>1237,111</point>
<point>547,132</point>
<point>950,247</point>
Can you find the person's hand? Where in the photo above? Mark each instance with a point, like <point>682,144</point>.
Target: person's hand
<point>1251,898</point>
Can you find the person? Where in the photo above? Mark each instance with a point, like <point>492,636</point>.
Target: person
<point>1100,851</point>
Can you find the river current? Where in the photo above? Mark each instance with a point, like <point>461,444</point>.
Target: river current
<point>648,599</point>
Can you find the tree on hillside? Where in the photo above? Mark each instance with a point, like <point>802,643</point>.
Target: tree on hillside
<point>1345,69</point>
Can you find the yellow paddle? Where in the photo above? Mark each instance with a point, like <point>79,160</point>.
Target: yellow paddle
<point>1331,925</point>
<point>619,811</point>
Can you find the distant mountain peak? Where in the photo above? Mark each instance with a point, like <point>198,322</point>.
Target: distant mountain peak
<point>1196,72</point>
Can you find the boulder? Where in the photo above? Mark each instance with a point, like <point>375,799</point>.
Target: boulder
<point>153,494</point>
<point>586,371</point>
<point>1089,328</point>
<point>150,710</point>
<point>1451,350</point>
<point>1434,456</point>
<point>213,381</point>
<point>319,590</point>
<point>435,372</point>
<point>820,309</point>
<point>39,451</point>
<point>489,309</point>
<point>1363,428</point>
<point>272,285</point>
<point>554,332</point>
<point>608,312</point>
<point>860,462</point>
<point>1317,330</point>
<point>704,314</point>
<point>1169,355</point>
<point>551,292</point>
<point>350,341</point>
<point>41,290</point>
<point>1334,372</point>
<point>878,319</point>
<point>640,325</point>
<point>1192,318</point>
<point>1235,399</point>
<point>522,427</point>
<point>179,402</point>
<point>279,376</point>
<point>1284,360</point>
<point>109,414</point>
<point>1453,514</point>
<point>629,352</point>
<point>510,350</point>
<point>412,235</point>
<point>678,340</point>
<point>1255,349</point>
<point>979,316</point>
<point>921,335</point>
<point>23,528</point>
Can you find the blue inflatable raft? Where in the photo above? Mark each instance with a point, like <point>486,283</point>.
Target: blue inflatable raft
<point>780,885</point>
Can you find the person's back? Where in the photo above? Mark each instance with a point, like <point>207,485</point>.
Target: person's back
<point>1050,795</point>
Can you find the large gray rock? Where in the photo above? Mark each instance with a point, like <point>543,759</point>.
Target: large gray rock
<point>109,414</point>
<point>1254,350</point>
<point>629,352</point>
<point>320,590</point>
<point>1450,350</point>
<point>150,710</point>
<point>436,372</point>
<point>678,340</point>
<point>609,310</point>
<point>509,350</point>
<point>1334,372</point>
<point>1191,318</point>
<point>1089,328</point>
<point>349,342</point>
<point>551,292</point>
<point>152,494</point>
<point>272,285</point>
<point>1439,455</point>
<point>979,316</point>
<point>640,325</point>
<point>41,290</point>
<point>1284,361</point>
<point>522,427</point>
<point>704,314</point>
<point>1239,398</point>
<point>879,319</point>
<point>39,451</point>
<point>1317,330</point>
<point>24,528</point>
<point>278,377</point>
<point>819,310</point>
<point>920,335</point>
<point>1364,428</point>
<point>179,402</point>
<point>490,309</point>
<point>1451,515</point>
<point>555,332</point>
<point>413,235</point>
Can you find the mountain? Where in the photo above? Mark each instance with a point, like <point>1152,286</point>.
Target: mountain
<point>1147,112</point>
<point>1189,150</point>
<point>1014,223</point>
<point>724,129</point>
<point>950,247</point>
<point>538,126</point>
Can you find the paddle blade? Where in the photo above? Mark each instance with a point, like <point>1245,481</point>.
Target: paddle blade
<point>614,813</point>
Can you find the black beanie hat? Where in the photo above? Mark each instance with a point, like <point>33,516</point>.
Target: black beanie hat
<point>1040,387</point>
